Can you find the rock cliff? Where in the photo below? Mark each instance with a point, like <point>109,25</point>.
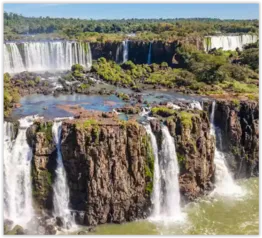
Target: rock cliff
<point>239,124</point>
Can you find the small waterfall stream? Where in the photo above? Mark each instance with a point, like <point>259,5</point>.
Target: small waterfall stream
<point>170,169</point>
<point>149,53</point>
<point>156,194</point>
<point>166,192</point>
<point>60,187</point>
<point>224,181</point>
<point>125,51</point>
<point>17,174</point>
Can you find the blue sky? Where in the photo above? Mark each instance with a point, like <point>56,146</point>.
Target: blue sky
<point>119,11</point>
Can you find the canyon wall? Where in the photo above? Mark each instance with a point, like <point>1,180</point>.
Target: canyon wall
<point>239,124</point>
<point>110,164</point>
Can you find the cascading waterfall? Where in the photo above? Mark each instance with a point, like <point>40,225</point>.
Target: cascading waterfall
<point>149,53</point>
<point>156,194</point>
<point>166,192</point>
<point>125,51</point>
<point>17,173</point>
<point>225,184</point>
<point>228,42</point>
<point>170,169</point>
<point>40,56</point>
<point>60,187</point>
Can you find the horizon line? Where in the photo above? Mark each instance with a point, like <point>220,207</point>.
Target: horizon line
<point>126,19</point>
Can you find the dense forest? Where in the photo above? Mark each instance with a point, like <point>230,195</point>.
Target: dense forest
<point>19,27</point>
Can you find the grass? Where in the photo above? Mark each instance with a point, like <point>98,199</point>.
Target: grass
<point>163,111</point>
<point>186,119</point>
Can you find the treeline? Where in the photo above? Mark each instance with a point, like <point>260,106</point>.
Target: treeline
<point>16,25</point>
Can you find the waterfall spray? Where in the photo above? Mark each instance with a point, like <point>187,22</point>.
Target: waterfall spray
<point>225,184</point>
<point>125,51</point>
<point>17,174</point>
<point>228,42</point>
<point>60,187</point>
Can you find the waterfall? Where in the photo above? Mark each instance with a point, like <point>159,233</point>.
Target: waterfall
<point>156,194</point>
<point>117,54</point>
<point>60,187</point>
<point>166,192</point>
<point>149,53</point>
<point>169,166</point>
<point>145,111</point>
<point>17,173</point>
<point>228,42</point>
<point>41,56</point>
<point>125,51</point>
<point>195,105</point>
<point>224,182</point>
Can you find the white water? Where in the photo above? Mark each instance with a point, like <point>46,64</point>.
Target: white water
<point>125,51</point>
<point>149,53</point>
<point>195,105</point>
<point>173,106</point>
<point>170,210</point>
<point>156,194</point>
<point>17,174</point>
<point>60,187</point>
<point>228,42</point>
<point>225,185</point>
<point>145,111</point>
<point>40,56</point>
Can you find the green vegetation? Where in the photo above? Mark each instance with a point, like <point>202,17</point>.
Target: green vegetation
<point>17,26</point>
<point>11,95</point>
<point>236,102</point>
<point>149,166</point>
<point>87,124</point>
<point>186,119</point>
<point>45,127</point>
<point>213,73</point>
<point>181,159</point>
<point>162,111</point>
<point>112,72</point>
<point>123,96</point>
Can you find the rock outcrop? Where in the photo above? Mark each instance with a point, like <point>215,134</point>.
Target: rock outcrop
<point>138,50</point>
<point>40,139</point>
<point>239,124</point>
<point>105,165</point>
<point>195,149</point>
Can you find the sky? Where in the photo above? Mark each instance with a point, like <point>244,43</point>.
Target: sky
<point>120,11</point>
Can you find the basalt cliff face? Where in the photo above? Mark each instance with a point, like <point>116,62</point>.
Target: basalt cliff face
<point>239,124</point>
<point>105,166</point>
<point>110,164</point>
<point>138,51</point>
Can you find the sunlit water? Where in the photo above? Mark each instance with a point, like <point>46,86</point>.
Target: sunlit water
<point>217,215</point>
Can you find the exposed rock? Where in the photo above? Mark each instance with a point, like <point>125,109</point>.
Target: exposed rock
<point>105,165</point>
<point>17,230</point>
<point>240,135</point>
<point>60,221</point>
<point>39,136</point>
